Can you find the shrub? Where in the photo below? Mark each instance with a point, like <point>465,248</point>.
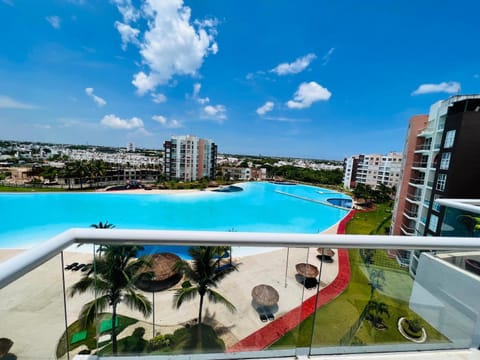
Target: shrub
<point>160,341</point>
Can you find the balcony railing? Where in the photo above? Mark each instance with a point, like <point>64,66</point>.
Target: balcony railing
<point>408,230</point>
<point>421,164</point>
<point>423,147</point>
<point>411,213</point>
<point>337,291</point>
<point>414,197</point>
<point>417,181</point>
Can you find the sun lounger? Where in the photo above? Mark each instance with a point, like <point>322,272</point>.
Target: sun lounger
<point>263,317</point>
<point>69,267</point>
<point>270,316</point>
<point>78,267</point>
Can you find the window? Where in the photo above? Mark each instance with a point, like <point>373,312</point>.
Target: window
<point>441,181</point>
<point>449,138</point>
<point>433,223</point>
<point>445,161</point>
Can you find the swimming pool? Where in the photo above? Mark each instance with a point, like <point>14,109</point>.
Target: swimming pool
<point>30,218</point>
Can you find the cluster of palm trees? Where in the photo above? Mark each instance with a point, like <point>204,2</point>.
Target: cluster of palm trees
<point>380,194</point>
<point>113,275</point>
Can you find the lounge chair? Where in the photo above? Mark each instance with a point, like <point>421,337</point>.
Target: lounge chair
<point>69,267</point>
<point>263,317</point>
<point>270,316</point>
<point>78,267</point>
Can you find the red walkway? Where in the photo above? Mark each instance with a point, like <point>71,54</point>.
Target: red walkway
<point>270,333</point>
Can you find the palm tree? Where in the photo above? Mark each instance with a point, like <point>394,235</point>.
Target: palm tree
<point>375,310</point>
<point>101,225</point>
<point>202,275</point>
<point>377,280</point>
<point>112,279</point>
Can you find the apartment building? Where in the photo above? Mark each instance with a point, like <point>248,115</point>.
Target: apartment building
<point>373,170</point>
<point>440,161</point>
<point>189,158</point>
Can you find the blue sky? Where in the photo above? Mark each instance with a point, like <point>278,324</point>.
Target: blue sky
<point>315,79</point>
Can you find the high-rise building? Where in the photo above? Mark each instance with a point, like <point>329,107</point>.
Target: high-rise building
<point>189,158</point>
<point>373,170</point>
<point>440,161</point>
<point>130,146</point>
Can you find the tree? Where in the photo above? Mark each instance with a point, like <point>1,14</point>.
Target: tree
<point>202,275</point>
<point>101,225</point>
<point>112,278</point>
<point>377,280</point>
<point>375,311</point>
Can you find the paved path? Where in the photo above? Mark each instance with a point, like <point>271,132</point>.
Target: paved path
<point>274,330</point>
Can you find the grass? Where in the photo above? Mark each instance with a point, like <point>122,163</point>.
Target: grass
<point>90,341</point>
<point>334,320</point>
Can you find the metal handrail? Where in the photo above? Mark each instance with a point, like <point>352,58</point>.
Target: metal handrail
<point>14,268</point>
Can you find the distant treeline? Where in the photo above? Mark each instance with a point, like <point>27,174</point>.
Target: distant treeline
<point>289,172</point>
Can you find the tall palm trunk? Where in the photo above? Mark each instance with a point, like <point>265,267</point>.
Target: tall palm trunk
<point>200,309</point>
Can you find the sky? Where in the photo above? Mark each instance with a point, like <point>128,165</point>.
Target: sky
<point>305,78</point>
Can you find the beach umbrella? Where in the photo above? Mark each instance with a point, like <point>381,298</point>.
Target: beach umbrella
<point>307,270</point>
<point>162,270</point>
<point>326,252</point>
<point>265,295</point>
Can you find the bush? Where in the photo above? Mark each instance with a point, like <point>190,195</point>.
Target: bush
<point>412,328</point>
<point>160,341</point>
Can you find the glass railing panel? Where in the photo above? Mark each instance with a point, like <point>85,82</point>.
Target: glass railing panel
<point>382,308</point>
<point>81,331</point>
<point>253,298</point>
<point>32,316</point>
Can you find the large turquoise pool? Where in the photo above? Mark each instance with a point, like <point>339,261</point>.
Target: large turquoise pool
<point>29,218</point>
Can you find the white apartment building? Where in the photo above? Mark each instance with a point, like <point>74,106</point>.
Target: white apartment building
<point>189,158</point>
<point>373,170</point>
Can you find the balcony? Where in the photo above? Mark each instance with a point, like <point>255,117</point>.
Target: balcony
<point>407,230</point>
<point>41,318</point>
<point>415,198</point>
<point>423,148</point>
<point>416,181</point>
<point>412,214</point>
<point>420,165</point>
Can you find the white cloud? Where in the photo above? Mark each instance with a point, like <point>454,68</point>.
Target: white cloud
<point>55,21</point>
<point>172,124</point>
<point>196,91</point>
<point>217,112</point>
<point>128,34</point>
<point>450,87</point>
<point>114,122</point>
<point>158,98</point>
<point>268,106</point>
<point>327,56</point>
<point>7,102</point>
<point>307,94</point>
<point>127,10</point>
<point>98,100</point>
<point>171,45</point>
<point>8,2</point>
<point>294,68</point>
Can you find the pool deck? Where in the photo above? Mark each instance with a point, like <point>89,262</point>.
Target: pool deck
<point>37,299</point>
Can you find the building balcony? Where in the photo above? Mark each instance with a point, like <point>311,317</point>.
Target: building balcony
<point>414,197</point>
<point>423,148</point>
<point>272,293</point>
<point>407,230</point>
<point>411,214</point>
<point>416,181</point>
<point>420,165</point>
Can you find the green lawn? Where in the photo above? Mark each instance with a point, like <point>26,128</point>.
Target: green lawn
<point>28,189</point>
<point>335,320</point>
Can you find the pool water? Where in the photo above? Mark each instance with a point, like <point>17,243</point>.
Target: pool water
<point>30,218</point>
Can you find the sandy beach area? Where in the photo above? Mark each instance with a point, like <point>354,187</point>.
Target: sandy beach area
<point>33,313</point>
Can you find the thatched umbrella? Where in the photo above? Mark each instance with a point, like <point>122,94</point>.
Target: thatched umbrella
<point>265,295</point>
<point>307,270</point>
<point>326,252</point>
<point>162,267</point>
<point>5,345</point>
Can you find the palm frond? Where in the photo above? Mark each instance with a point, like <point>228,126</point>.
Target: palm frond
<point>215,298</point>
<point>138,302</point>
<point>90,309</point>
<point>83,285</point>
<point>184,294</point>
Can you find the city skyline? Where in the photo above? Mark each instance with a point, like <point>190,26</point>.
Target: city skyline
<point>320,80</point>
